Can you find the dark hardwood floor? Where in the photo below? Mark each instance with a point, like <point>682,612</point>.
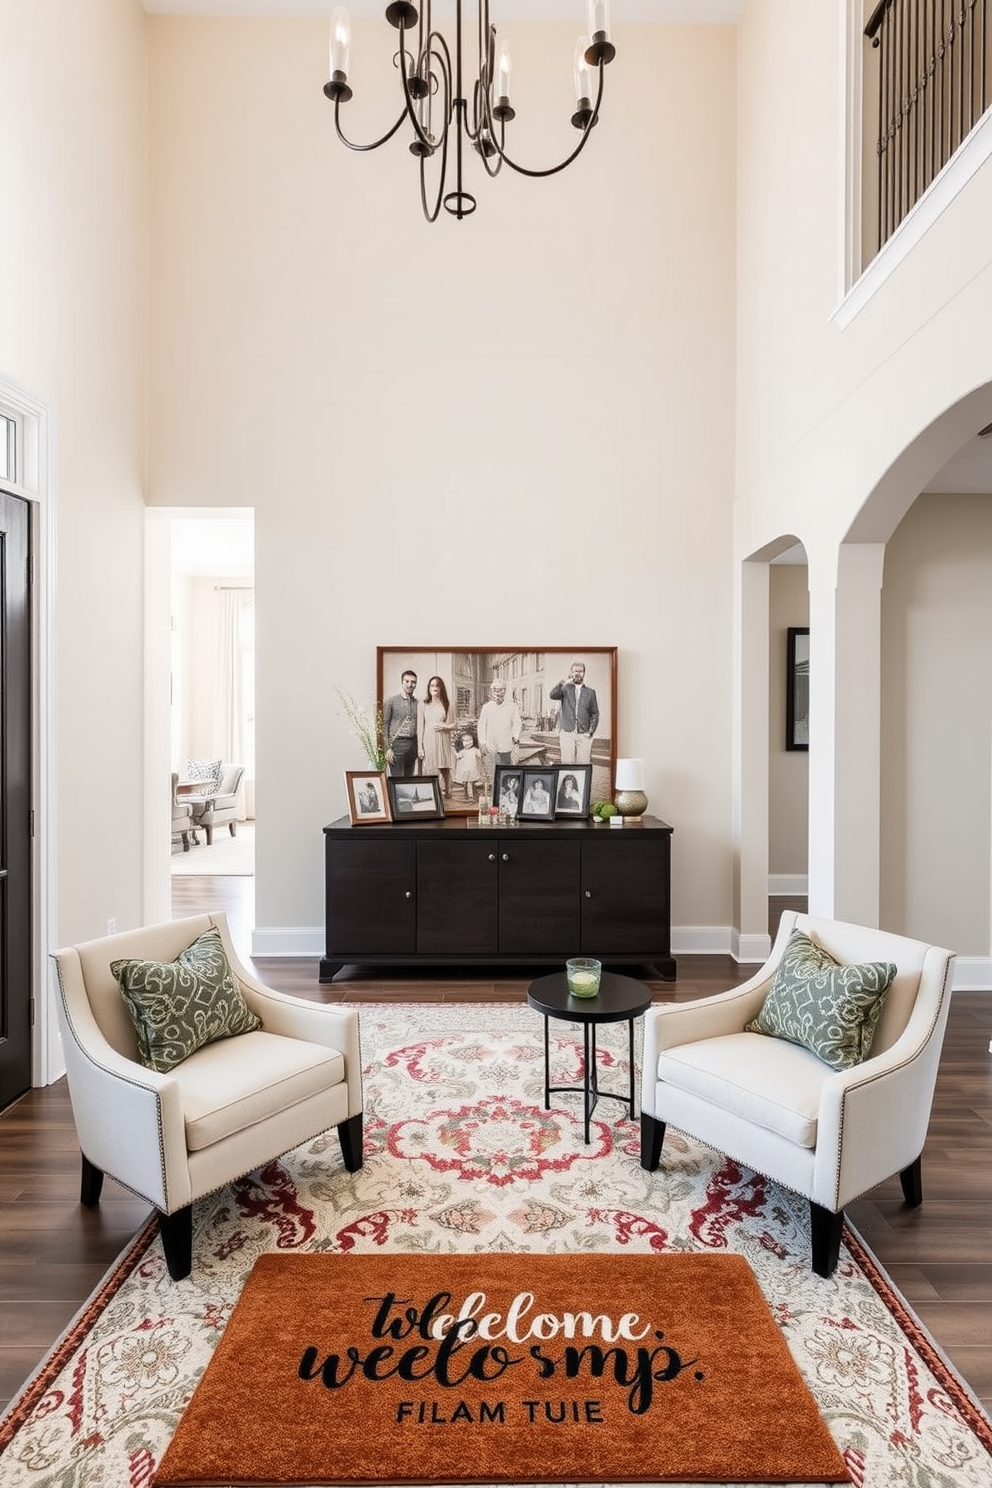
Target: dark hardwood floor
<point>53,1252</point>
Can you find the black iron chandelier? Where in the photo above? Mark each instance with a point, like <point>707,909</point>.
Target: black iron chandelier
<point>435,103</point>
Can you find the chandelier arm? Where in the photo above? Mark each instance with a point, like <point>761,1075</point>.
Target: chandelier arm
<point>481,86</point>
<point>492,171</point>
<point>553,170</point>
<point>350,143</point>
<point>432,215</point>
<point>430,50</point>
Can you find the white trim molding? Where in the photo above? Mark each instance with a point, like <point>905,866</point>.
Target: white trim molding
<point>719,940</point>
<point>289,940</point>
<point>37,485</point>
<point>789,884</point>
<point>972,974</point>
<point>966,162</point>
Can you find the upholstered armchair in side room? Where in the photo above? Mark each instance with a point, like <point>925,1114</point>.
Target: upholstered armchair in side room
<point>220,808</point>
<point>172,1116</point>
<point>182,815</point>
<point>828,1130</point>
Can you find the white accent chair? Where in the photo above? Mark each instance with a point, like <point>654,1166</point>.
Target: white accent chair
<point>778,1109</point>
<point>181,816</point>
<point>230,1107</point>
<point>220,805</point>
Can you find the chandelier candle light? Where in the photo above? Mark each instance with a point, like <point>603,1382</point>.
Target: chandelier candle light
<point>435,102</point>
<point>631,802</point>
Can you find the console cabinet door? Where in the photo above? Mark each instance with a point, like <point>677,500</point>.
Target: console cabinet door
<point>456,898</point>
<point>626,894</point>
<point>538,897</point>
<point>371,897</point>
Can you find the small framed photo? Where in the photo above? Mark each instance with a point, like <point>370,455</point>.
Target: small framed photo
<point>537,801</point>
<point>415,797</point>
<point>367,798</point>
<point>572,784</point>
<point>508,788</point>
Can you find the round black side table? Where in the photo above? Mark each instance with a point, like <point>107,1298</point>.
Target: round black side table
<point>620,999</point>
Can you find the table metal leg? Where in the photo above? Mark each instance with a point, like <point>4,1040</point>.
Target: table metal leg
<point>630,1031</point>
<point>589,1072</point>
<point>547,1066</point>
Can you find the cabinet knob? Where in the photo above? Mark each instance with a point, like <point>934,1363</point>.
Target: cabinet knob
<point>492,857</point>
<point>588,893</point>
<point>408,894</point>
<point>505,857</point>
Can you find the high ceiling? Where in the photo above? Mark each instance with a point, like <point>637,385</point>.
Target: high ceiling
<point>700,12</point>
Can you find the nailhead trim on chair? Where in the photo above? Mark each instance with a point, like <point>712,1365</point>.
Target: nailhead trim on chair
<point>863,1084</point>
<point>137,1085</point>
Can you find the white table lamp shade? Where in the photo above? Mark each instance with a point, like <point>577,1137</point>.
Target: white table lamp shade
<point>630,774</point>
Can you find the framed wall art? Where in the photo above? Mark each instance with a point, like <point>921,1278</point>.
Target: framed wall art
<point>367,798</point>
<point>797,688</point>
<point>459,713</point>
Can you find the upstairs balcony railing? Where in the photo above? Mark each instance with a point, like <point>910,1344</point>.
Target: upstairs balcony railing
<point>928,81</point>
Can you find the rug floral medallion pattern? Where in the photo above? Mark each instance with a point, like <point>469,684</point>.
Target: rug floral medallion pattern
<point>460,1155</point>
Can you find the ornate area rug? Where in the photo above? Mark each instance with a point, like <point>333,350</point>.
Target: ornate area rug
<point>462,1157</point>
<point>411,1369</point>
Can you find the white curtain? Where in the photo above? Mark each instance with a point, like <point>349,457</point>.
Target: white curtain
<point>228,730</point>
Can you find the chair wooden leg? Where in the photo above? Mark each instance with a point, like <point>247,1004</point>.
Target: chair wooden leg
<point>176,1231</point>
<point>185,842</point>
<point>911,1179</point>
<point>210,836</point>
<point>90,1184</point>
<point>233,828</point>
<point>825,1227</point>
<point>652,1136</point>
<point>351,1136</point>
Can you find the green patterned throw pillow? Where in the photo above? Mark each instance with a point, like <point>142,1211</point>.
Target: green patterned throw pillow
<point>178,1006</point>
<point>830,1009</point>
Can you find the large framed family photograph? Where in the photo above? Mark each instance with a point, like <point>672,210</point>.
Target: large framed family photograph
<point>459,714</point>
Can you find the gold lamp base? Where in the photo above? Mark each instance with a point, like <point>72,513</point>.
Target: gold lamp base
<point>631,804</point>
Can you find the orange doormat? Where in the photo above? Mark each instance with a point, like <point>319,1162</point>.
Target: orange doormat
<point>501,1368</point>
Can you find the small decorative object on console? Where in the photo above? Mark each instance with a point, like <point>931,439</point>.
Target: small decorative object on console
<point>630,799</point>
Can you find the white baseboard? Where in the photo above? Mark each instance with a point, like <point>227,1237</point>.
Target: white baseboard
<point>787,883</point>
<point>751,948</point>
<point>274,940</point>
<point>972,974</point>
<point>719,940</point>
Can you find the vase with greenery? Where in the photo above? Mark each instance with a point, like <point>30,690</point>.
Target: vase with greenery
<point>365,723</point>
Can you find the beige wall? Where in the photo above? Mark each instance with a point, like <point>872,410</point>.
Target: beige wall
<point>72,308</point>
<point>603,354</point>
<point>841,423</point>
<point>514,430</point>
<point>937,721</point>
<point>824,412</point>
<point>788,769</point>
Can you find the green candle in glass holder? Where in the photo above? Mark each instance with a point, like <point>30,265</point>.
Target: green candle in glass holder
<point>583,974</point>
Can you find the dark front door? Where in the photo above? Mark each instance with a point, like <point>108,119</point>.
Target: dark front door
<point>15,800</point>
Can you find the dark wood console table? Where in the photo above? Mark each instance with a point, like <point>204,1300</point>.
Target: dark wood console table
<point>453,893</point>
